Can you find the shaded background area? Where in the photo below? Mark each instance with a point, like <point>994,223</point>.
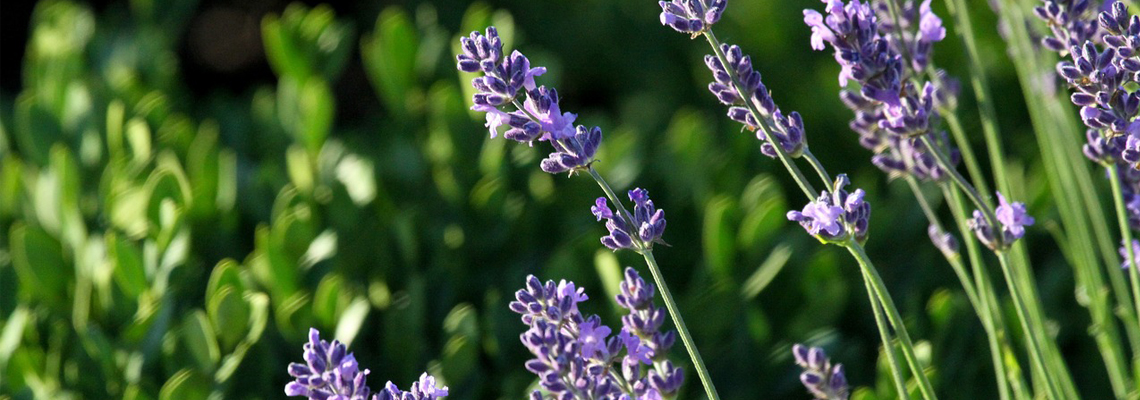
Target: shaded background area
<point>335,179</point>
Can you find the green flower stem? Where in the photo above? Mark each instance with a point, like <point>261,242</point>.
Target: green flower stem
<point>879,290</point>
<point>791,166</point>
<point>1036,354</point>
<point>1126,233</point>
<point>991,313</point>
<point>954,260</point>
<point>961,14</point>
<point>818,167</point>
<point>888,347</point>
<point>973,194</point>
<point>674,311</point>
<point>968,156</point>
<point>686,338</point>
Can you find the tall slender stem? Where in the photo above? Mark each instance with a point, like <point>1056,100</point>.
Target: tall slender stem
<point>1126,234</point>
<point>819,170</point>
<point>879,290</point>
<point>686,338</point>
<point>1035,353</point>
<point>888,345</point>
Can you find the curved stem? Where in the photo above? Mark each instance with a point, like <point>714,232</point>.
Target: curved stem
<point>686,338</point>
<point>819,170</point>
<point>879,290</point>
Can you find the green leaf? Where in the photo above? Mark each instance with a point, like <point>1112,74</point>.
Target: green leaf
<point>226,273</point>
<point>329,299</point>
<point>130,273</point>
<point>766,272</point>
<point>230,314</point>
<point>389,56</point>
<point>351,320</point>
<point>719,246</point>
<point>185,385</point>
<point>200,340</point>
<point>39,262</point>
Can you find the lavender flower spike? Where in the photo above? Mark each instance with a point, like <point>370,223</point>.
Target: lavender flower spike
<point>423,389</point>
<point>824,381</point>
<point>647,226</point>
<point>1013,218</point>
<point>737,85</point>
<point>833,217</point>
<point>691,16</point>
<point>329,372</point>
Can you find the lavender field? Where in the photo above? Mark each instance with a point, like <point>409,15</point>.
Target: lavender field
<point>570,200</point>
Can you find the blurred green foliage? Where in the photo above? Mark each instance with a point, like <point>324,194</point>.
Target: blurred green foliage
<point>162,244</point>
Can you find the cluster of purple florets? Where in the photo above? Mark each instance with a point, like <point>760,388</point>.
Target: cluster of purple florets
<point>738,86</point>
<point>646,228</point>
<point>891,109</point>
<point>330,372</point>
<point>1103,50</point>
<point>1013,219</point>
<point>575,356</point>
<point>835,217</point>
<point>823,380</point>
<point>508,82</point>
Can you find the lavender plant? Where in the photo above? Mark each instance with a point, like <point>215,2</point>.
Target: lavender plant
<point>507,93</point>
<point>1102,62</point>
<point>331,372</point>
<point>832,216</point>
<point>577,358</point>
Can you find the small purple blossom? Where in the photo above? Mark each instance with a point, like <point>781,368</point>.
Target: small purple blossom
<point>423,389</point>
<point>824,381</point>
<point>1071,22</point>
<point>1013,218</point>
<point>648,223</point>
<point>691,16</point>
<point>592,337</point>
<point>944,241</point>
<point>833,216</point>
<point>635,350</point>
<point>1126,263</point>
<point>573,153</point>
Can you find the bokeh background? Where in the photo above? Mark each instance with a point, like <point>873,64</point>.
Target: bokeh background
<point>187,186</point>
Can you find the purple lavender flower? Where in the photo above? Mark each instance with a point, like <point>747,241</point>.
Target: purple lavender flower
<point>1126,263</point>
<point>1013,219</point>
<point>574,355</point>
<point>824,381</point>
<point>423,389</point>
<point>943,240</point>
<point>648,222</point>
<point>573,153</point>
<point>891,113</point>
<point>1071,23</point>
<point>537,117</point>
<point>833,217</point>
<point>1109,150</point>
<point>737,84</point>
<point>330,372</point>
<point>691,16</point>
